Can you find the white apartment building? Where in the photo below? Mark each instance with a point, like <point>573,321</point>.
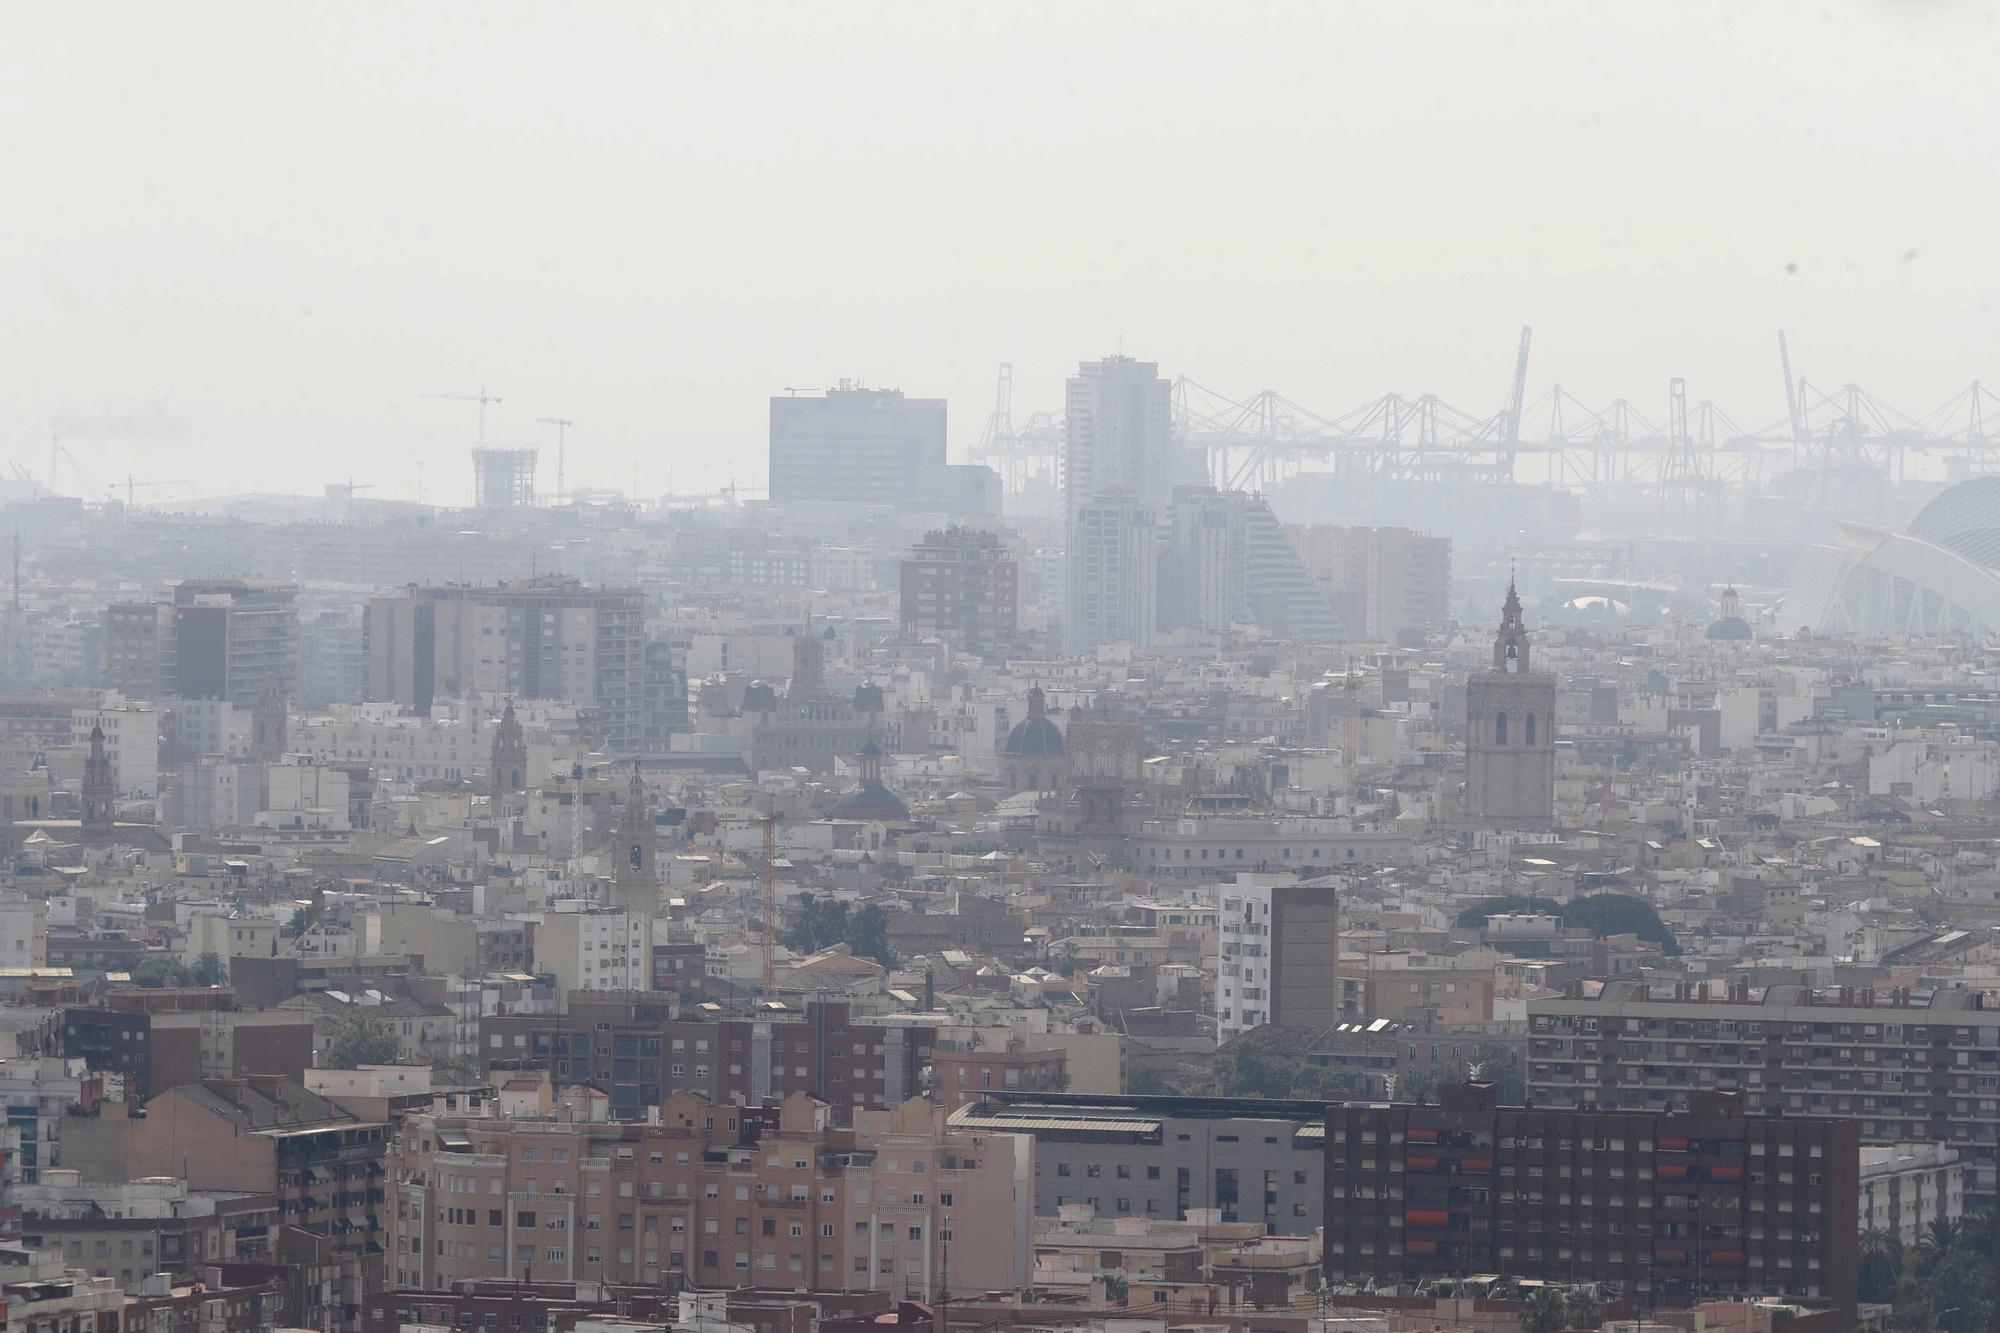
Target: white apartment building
<point>595,949</point>
<point>24,932</point>
<point>131,738</point>
<point>1907,1186</point>
<point>1277,954</point>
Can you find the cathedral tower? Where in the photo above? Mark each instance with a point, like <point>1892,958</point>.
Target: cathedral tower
<point>100,790</point>
<point>509,770</point>
<point>635,883</point>
<point>1510,755</point>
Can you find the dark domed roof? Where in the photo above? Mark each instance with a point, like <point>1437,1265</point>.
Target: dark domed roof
<point>1035,738</point>
<point>868,698</point>
<point>1730,627</point>
<point>871,800</point>
<point>759,698</point>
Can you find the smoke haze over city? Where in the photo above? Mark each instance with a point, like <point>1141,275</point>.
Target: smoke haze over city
<point>290,224</point>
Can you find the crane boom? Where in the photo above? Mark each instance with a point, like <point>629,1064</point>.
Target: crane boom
<point>1516,399</point>
<point>1791,390</point>
<point>482,398</point>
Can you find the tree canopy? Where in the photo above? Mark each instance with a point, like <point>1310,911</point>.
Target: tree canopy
<point>360,1039</point>
<point>1600,913</point>
<point>822,923</point>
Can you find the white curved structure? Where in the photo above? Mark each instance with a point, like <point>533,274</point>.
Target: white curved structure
<point>1870,581</point>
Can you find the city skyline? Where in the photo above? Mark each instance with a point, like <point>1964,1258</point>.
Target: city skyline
<point>168,250</point>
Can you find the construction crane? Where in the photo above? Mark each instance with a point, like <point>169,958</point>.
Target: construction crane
<point>1510,440</point>
<point>344,491</point>
<point>562,425</point>
<point>482,398</point>
<point>132,486</point>
<point>770,906</point>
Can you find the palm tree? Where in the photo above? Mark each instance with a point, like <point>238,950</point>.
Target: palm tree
<point>1580,1309</point>
<point>1881,1264</point>
<point>1544,1311</point>
<point>1941,1236</point>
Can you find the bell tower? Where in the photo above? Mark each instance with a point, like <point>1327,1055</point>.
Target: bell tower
<point>1510,756</point>
<point>509,771</point>
<point>635,882</point>
<point>100,790</point>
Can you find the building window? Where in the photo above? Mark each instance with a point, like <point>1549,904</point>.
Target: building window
<point>1499,728</point>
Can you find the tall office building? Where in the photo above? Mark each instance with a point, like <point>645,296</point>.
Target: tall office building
<point>1277,945</point>
<point>226,639</point>
<point>855,446</point>
<point>1117,472</point>
<point>1381,581</point>
<point>546,638</point>
<point>1118,434</point>
<point>962,585</point>
<point>1112,560</point>
<point>1226,560</point>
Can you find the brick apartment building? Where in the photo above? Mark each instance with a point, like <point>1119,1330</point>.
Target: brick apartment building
<point>1907,1066</point>
<point>1660,1205</point>
<point>962,1074</point>
<point>160,1039</point>
<point>629,1046</point>
<point>266,1135</point>
<point>710,1194</point>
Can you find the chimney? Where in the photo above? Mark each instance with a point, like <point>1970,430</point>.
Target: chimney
<point>270,1085</point>
<point>229,1089</point>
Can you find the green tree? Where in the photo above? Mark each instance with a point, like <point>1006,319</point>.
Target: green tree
<point>819,924</point>
<point>1580,1309</point>
<point>1068,958</point>
<point>1942,1236</point>
<point>303,920</point>
<point>209,969</point>
<point>1600,913</point>
<point>868,936</point>
<point>1881,1265</point>
<point>360,1039</point>
<point>155,971</point>
<point>1545,1311</point>
<point>1147,1081</point>
<point>1116,1288</point>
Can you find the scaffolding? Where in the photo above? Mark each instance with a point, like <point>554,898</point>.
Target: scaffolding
<point>503,478</point>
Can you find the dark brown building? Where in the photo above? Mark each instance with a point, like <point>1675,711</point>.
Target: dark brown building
<point>1661,1206</point>
<point>166,1038</point>
<point>960,585</point>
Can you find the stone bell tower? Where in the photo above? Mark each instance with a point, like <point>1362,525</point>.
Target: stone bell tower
<point>1510,755</point>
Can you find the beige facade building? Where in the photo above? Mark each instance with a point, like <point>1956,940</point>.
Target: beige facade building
<point>712,1194</point>
<point>1381,581</point>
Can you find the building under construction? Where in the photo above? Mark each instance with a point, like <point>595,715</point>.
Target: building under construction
<point>503,478</point>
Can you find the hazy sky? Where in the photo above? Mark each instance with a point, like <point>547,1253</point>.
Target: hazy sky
<point>292,221</point>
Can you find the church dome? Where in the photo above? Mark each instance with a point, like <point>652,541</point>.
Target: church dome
<point>868,698</point>
<point>759,698</point>
<point>870,800</point>
<point>1035,737</point>
<point>1730,626</point>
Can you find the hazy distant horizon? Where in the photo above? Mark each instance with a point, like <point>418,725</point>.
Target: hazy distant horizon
<point>290,224</point>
